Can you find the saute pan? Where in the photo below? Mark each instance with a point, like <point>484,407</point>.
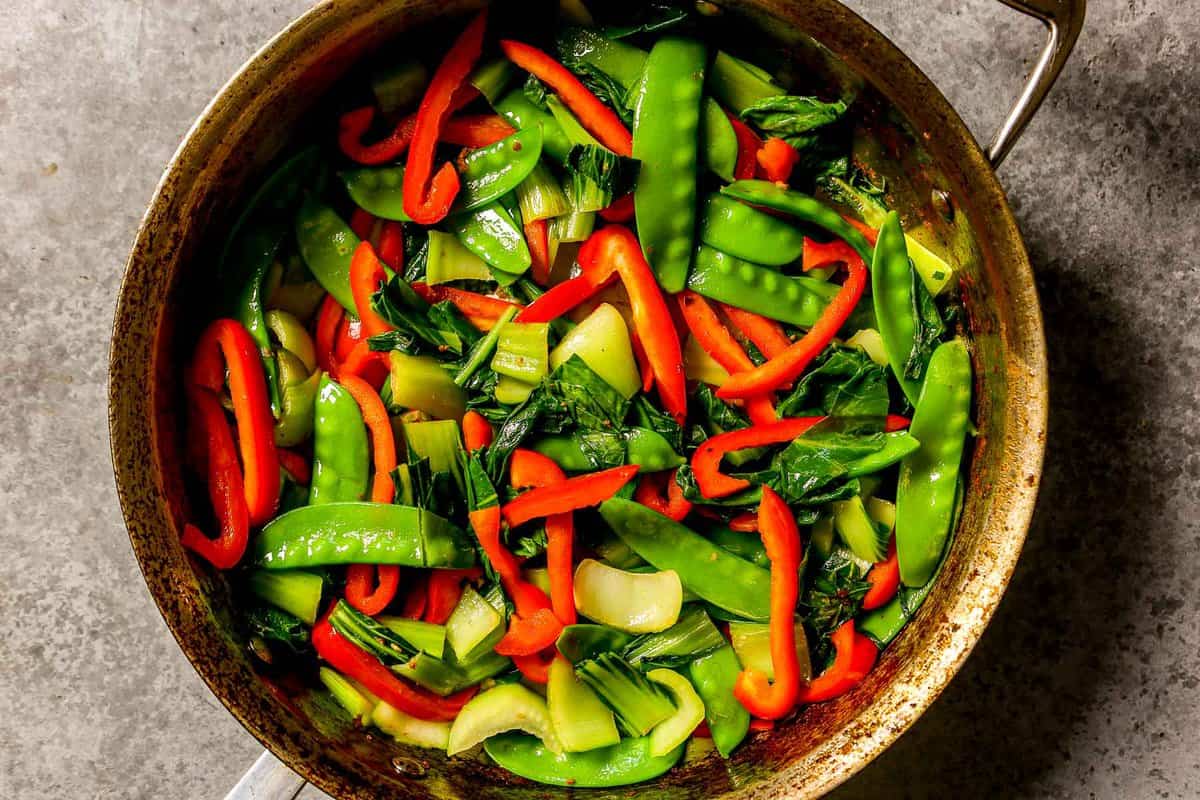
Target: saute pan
<point>938,177</point>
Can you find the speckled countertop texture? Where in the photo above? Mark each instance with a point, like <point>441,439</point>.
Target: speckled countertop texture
<point>1084,686</point>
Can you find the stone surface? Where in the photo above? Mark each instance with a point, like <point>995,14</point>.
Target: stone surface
<point>1085,685</point>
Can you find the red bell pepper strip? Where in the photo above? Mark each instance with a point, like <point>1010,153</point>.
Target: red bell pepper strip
<point>366,273</point>
<point>328,320</point>
<point>479,309</point>
<point>225,344</point>
<point>559,300</point>
<point>643,362</point>
<point>823,254</point>
<point>383,446</point>
<point>444,590</point>
<point>476,130</point>
<point>777,159</point>
<point>428,197</point>
<point>781,538</point>
<point>350,333</point>
<point>863,228</point>
<point>596,117</point>
<point>884,578</point>
<point>391,245</point>
<point>295,465</point>
<point>788,365</point>
<point>706,461</point>
<point>530,469</point>
<point>417,597</point>
<point>621,210</point>
<point>363,362</point>
<point>744,523</point>
<point>477,431</point>
<point>855,654</point>
<point>225,487</point>
<point>529,635</point>
<point>748,146</point>
<point>757,724</point>
<point>354,124</point>
<point>537,235</point>
<point>363,667</point>
<point>650,493</point>
<point>525,596</point>
<point>767,334</point>
<point>362,222</point>
<point>536,668</point>
<point>572,494</point>
<point>712,335</point>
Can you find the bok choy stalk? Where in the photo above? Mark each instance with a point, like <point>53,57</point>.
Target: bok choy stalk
<point>638,703</point>
<point>693,636</point>
<point>370,635</point>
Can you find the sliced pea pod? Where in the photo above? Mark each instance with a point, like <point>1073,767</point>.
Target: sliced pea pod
<point>720,276</point>
<point>247,261</point>
<point>925,492</point>
<point>741,231</point>
<point>490,172</point>
<point>714,675</point>
<point>379,190</point>
<point>327,245</point>
<point>895,306</point>
<point>627,762</point>
<point>666,140</point>
<point>491,233</point>
<point>341,466</point>
<point>524,115</point>
<point>803,208</point>
<point>896,446</point>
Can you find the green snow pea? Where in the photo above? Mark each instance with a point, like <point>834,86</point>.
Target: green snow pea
<point>925,491</point>
<point>720,276</point>
<point>379,190</point>
<point>705,569</point>
<point>524,115</point>
<point>743,232</point>
<point>713,676</point>
<point>362,533</point>
<point>341,465</point>
<point>327,244</point>
<point>895,306</point>
<point>625,63</point>
<point>739,84</point>
<point>666,140</point>
<point>746,546</point>
<point>491,172</point>
<point>803,208</point>
<point>896,446</point>
<point>621,764</point>
<point>491,233</point>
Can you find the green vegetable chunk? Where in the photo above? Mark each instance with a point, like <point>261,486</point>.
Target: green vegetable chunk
<point>743,232</point>
<point>713,676</point>
<point>327,244</point>
<point>580,718</point>
<point>379,190</point>
<point>507,707</point>
<point>621,764</point>
<point>489,173</point>
<point>341,465</point>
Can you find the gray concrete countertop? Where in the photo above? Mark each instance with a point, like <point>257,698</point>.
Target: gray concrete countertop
<point>1085,685</point>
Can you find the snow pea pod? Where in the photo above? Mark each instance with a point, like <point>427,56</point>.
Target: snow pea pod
<point>720,276</point>
<point>666,140</point>
<point>928,478</point>
<point>523,114</point>
<point>379,190</point>
<point>246,262</point>
<point>490,172</point>
<point>705,569</point>
<point>327,244</point>
<point>741,231</point>
<point>490,233</point>
<point>895,306</point>
<point>362,533</point>
<point>803,208</point>
<point>896,446</point>
<point>714,675</point>
<point>621,764</point>
<point>341,464</point>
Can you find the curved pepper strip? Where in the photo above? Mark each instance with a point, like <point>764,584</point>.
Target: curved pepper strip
<point>428,196</point>
<point>781,538</point>
<point>706,461</point>
<point>363,667</point>
<point>526,597</point>
<point>596,117</point>
<point>643,362</point>
<point>476,130</point>
<point>884,578</point>
<point>225,488</point>
<point>530,635</point>
<point>537,236</point>
<point>353,125</point>
<point>480,310</point>
<point>777,159</point>
<point>391,245</point>
<point>529,469</point>
<point>366,273</point>
<point>854,657</point>
<point>573,494</point>
<point>712,335</point>
<point>362,222</point>
<point>621,210</point>
<point>895,422</point>
<point>443,592</point>
<point>824,254</point>
<point>329,317</point>
<point>788,365</point>
<point>650,492</point>
<point>295,465</point>
<point>383,444</point>
<point>766,334</point>
<point>560,299</point>
<point>225,344</point>
<point>744,523</point>
<point>417,598</point>
<point>748,146</point>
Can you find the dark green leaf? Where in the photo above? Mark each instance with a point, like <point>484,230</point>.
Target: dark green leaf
<point>645,415</point>
<point>397,303</point>
<point>601,84</point>
<point>588,398</point>
<point>530,544</point>
<point>844,382</point>
<point>404,341</point>
<point>446,317</point>
<point>929,332</point>
<point>276,625</point>
<point>481,493</point>
<point>541,413</point>
<point>535,92</point>
<point>791,117</point>
<point>834,594</point>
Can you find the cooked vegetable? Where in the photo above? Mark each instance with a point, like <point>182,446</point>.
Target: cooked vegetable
<point>507,707</point>
<point>638,703</point>
<point>628,601</point>
<point>581,721</point>
<point>295,591</point>
<point>602,341</point>
<point>689,712</point>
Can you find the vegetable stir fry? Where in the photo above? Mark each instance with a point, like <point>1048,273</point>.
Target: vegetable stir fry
<point>576,397</point>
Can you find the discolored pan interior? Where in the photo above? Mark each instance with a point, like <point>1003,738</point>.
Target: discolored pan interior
<point>936,176</point>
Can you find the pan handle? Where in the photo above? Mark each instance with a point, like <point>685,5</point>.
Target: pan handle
<point>268,779</point>
<point>1063,20</point>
